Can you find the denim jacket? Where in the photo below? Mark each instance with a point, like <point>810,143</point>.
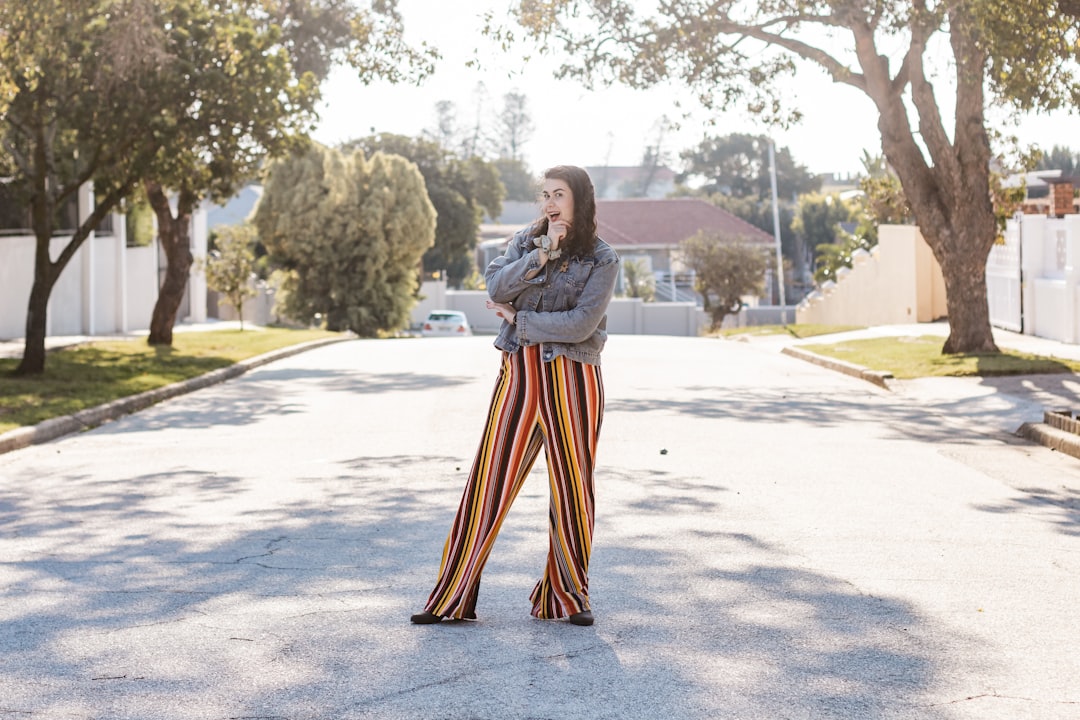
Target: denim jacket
<point>563,308</point>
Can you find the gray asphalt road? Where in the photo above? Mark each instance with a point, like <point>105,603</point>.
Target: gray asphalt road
<point>773,540</point>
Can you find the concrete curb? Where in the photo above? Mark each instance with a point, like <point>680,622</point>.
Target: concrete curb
<point>1051,437</point>
<point>92,417</point>
<point>876,377</point>
<point>1040,433</point>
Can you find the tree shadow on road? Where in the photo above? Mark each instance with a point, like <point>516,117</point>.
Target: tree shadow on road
<point>190,594</point>
<point>1058,506</point>
<point>795,407</point>
<point>279,393</point>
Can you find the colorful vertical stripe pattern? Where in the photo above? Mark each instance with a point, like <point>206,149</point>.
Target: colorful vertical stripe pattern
<point>557,406</point>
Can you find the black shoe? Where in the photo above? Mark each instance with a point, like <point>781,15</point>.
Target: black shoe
<point>426,618</point>
<point>582,618</point>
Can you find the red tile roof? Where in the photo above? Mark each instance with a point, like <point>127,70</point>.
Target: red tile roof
<point>663,223</point>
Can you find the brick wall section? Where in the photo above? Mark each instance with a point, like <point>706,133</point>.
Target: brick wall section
<point>1061,199</point>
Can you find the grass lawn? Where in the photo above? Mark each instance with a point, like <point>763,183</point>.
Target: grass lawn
<point>799,331</point>
<point>87,375</point>
<point>914,357</point>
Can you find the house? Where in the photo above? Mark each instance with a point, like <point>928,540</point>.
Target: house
<point>108,287</point>
<point>649,230</point>
<point>1047,192</point>
<point>653,229</point>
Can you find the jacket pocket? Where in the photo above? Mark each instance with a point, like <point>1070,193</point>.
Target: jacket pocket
<point>570,284</point>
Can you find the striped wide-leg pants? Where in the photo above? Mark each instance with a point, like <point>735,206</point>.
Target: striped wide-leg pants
<point>557,406</point>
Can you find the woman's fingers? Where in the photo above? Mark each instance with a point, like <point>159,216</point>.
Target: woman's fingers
<point>557,231</point>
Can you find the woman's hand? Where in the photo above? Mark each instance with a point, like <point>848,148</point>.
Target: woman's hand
<point>557,230</point>
<point>504,310</point>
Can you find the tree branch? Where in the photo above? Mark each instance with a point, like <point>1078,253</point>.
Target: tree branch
<point>897,140</point>
<point>94,166</point>
<point>839,72</point>
<point>106,206</point>
<point>931,127</point>
<point>972,147</point>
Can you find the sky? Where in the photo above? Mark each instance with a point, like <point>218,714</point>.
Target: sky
<point>607,126</point>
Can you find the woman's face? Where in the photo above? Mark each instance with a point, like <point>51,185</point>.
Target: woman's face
<point>557,201</point>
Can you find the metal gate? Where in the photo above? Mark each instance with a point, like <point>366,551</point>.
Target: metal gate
<point>1003,281</point>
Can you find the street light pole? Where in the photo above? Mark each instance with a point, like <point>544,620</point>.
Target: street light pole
<point>776,232</point>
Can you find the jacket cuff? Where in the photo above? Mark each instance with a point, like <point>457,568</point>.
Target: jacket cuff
<point>521,320</point>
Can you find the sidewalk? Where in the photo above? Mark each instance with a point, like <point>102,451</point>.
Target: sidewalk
<point>13,348</point>
<point>1005,339</point>
<point>997,406</point>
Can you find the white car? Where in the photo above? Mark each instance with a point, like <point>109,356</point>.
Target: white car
<point>446,323</point>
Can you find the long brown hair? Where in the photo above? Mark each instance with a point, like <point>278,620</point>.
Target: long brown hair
<point>581,239</point>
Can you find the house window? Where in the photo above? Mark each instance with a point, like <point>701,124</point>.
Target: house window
<point>15,215</point>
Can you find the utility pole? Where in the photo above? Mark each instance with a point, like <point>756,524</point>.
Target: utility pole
<point>776,232</point>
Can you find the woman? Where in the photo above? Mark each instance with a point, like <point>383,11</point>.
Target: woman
<point>551,288</point>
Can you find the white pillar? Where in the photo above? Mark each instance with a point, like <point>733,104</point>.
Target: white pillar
<point>1032,229</point>
<point>89,288</point>
<point>197,278</point>
<point>120,234</point>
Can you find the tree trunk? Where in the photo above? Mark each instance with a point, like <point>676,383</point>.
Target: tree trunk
<point>969,312</point>
<point>42,206</point>
<point>47,271</point>
<point>948,188</point>
<point>962,251</point>
<point>174,234</point>
<point>238,303</point>
<point>33,359</point>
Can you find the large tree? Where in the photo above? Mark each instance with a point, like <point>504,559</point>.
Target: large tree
<point>350,232</point>
<point>514,125</point>
<point>244,86</point>
<point>181,96</point>
<point>519,182</point>
<point>79,107</point>
<point>461,189</point>
<point>738,165</point>
<point>1060,157</point>
<point>1020,53</point>
<point>732,172</point>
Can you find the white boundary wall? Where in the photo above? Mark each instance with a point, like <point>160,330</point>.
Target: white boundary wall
<point>1033,281</point>
<point>1050,270</point>
<point>626,316</point>
<point>897,282</point>
<point>1003,280</point>
<point>106,289</point>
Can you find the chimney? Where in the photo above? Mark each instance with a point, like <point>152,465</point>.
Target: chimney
<point>1061,198</point>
